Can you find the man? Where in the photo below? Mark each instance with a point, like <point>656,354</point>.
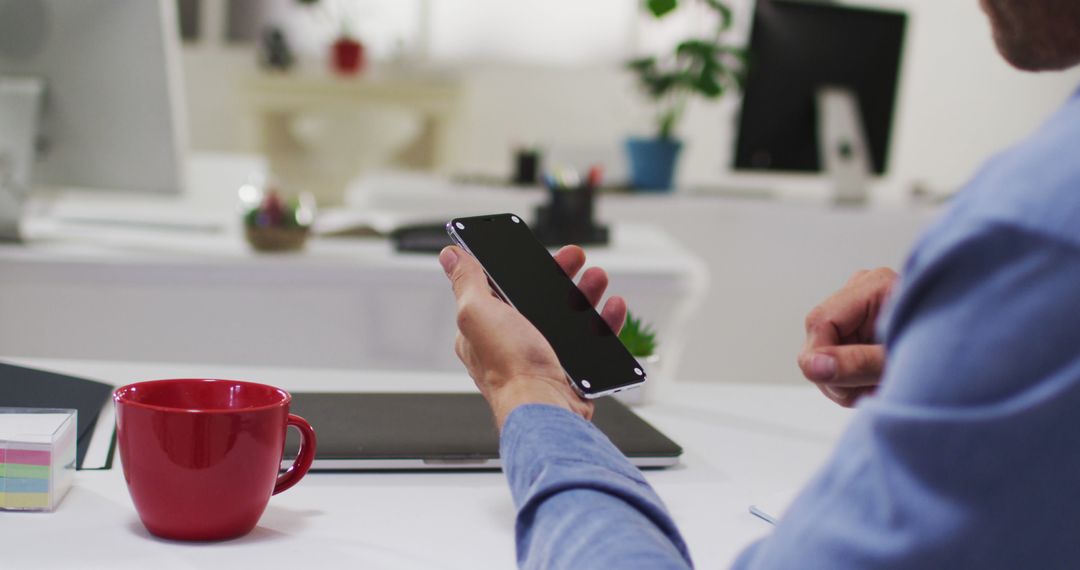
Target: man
<point>968,453</point>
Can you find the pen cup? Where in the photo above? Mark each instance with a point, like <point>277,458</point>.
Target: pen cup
<point>567,218</point>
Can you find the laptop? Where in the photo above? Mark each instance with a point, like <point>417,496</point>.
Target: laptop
<point>407,431</point>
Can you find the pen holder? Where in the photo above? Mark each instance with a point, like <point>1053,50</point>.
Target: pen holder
<point>567,218</point>
<point>37,457</point>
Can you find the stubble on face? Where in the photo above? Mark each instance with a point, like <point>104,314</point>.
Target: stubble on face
<point>1036,35</point>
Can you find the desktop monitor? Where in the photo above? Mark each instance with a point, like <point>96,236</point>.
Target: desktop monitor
<point>798,48</point>
<point>110,110</point>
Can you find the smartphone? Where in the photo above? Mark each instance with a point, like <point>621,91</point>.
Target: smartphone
<point>527,277</point>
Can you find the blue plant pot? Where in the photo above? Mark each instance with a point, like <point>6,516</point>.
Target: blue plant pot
<point>652,163</point>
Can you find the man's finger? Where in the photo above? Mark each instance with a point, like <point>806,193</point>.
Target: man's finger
<point>614,313</point>
<point>846,397</point>
<point>821,333</point>
<point>850,309</point>
<point>571,258</point>
<point>466,276</point>
<point>851,365</point>
<point>593,284</point>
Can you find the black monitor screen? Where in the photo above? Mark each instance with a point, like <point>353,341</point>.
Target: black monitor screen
<point>795,49</point>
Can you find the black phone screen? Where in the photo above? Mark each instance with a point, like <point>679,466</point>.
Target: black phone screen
<point>531,280</point>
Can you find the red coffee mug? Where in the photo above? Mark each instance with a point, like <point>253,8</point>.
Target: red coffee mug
<point>201,457</point>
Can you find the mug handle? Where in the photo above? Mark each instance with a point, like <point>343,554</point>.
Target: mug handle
<point>300,466</point>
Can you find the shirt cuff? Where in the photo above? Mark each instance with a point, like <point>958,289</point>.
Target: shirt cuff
<point>537,436</point>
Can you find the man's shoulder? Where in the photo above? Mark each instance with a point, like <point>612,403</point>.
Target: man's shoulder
<point>1033,186</point>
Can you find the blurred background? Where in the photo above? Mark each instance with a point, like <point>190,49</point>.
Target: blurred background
<point>551,73</point>
<point>374,121</point>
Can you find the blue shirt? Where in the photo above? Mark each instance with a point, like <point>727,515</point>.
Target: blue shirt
<point>968,455</point>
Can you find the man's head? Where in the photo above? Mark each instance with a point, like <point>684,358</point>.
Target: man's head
<point>1036,35</point>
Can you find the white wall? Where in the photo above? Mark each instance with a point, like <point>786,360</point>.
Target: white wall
<point>959,103</point>
<point>216,118</point>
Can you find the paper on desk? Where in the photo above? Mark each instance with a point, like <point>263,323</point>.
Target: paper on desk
<point>346,221</point>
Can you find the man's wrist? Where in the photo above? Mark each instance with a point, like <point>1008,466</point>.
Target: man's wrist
<point>533,390</point>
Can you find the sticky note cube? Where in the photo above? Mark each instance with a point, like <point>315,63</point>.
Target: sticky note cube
<point>37,457</point>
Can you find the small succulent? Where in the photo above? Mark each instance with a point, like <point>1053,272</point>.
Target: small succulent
<point>638,337</point>
<point>273,211</point>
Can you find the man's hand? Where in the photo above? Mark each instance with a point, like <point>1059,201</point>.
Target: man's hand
<point>510,361</point>
<point>839,355</point>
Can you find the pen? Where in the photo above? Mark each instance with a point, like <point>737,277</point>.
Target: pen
<point>757,512</point>
<point>596,174</point>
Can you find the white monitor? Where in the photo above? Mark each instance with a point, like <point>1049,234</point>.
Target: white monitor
<point>111,110</point>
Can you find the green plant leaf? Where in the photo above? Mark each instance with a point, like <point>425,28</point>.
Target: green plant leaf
<point>638,337</point>
<point>726,16</point>
<point>660,8</point>
<point>696,48</point>
<point>707,85</point>
<point>641,64</point>
<point>660,83</point>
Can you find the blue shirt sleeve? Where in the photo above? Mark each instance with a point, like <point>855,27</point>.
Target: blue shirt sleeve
<point>580,503</point>
<point>969,456</point>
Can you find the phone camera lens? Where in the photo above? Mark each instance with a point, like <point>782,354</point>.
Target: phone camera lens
<point>460,226</point>
<point>515,219</point>
<point>638,371</point>
<point>586,384</point>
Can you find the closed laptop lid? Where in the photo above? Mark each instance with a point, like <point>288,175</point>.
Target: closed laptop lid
<point>442,431</point>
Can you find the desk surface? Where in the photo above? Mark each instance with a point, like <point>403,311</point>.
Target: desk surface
<point>130,293</point>
<point>638,249</point>
<point>743,444</point>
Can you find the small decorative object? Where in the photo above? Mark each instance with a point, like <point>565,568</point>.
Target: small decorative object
<point>706,67</point>
<point>347,55</point>
<point>274,224</point>
<point>37,457</point>
<point>640,339</point>
<point>275,53</point>
<point>568,215</point>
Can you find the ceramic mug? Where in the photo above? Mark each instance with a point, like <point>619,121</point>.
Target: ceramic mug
<point>201,457</point>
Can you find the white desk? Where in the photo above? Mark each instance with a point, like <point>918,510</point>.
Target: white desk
<point>168,296</point>
<point>769,261</point>
<point>743,444</point>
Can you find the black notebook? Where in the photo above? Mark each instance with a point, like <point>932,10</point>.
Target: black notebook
<point>441,431</point>
<point>22,387</point>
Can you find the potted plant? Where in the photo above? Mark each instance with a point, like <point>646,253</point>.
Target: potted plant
<point>640,339</point>
<point>705,67</point>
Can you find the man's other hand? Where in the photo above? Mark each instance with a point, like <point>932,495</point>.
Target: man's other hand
<point>840,355</point>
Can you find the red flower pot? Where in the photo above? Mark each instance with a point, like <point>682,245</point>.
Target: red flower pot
<point>347,56</point>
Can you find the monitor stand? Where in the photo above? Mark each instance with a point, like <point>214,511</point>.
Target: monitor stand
<point>845,154</point>
<point>20,104</point>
